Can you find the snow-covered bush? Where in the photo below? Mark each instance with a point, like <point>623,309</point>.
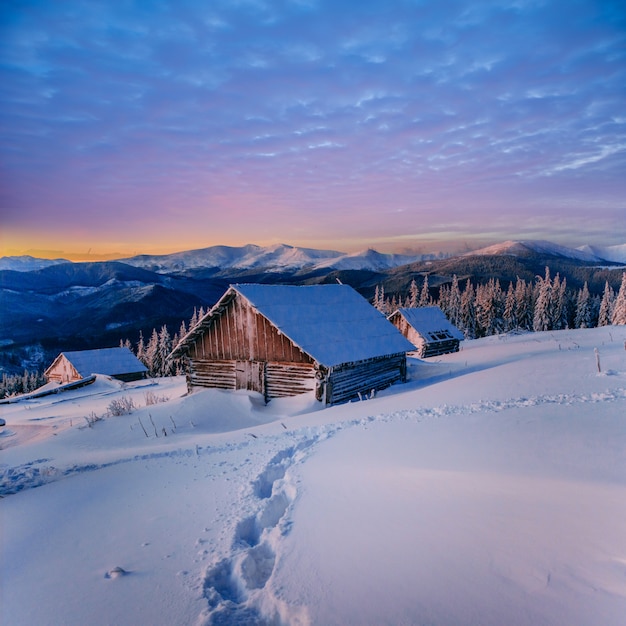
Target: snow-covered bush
<point>92,418</point>
<point>152,398</point>
<point>121,406</point>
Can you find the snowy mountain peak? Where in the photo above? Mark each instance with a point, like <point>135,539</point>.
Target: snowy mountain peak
<point>616,254</point>
<point>529,247</point>
<point>27,263</point>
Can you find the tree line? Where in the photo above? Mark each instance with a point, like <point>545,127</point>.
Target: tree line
<point>154,352</point>
<point>478,311</point>
<point>17,384</point>
<point>487,309</point>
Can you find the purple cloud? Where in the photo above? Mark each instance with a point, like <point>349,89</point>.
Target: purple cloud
<point>327,116</point>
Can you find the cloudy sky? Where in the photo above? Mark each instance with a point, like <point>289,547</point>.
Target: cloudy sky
<point>155,126</point>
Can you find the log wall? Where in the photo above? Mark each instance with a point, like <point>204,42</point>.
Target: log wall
<point>425,347</point>
<point>288,379</point>
<point>241,349</point>
<point>444,346</point>
<point>273,380</point>
<point>208,373</point>
<point>347,381</point>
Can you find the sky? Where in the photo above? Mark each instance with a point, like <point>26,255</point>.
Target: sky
<point>132,127</point>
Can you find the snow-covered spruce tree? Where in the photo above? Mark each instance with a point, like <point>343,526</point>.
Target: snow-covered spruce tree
<point>619,308</point>
<point>510,310</point>
<point>444,300</point>
<point>151,359</point>
<point>558,313</point>
<point>489,309</point>
<point>414,295</point>
<point>454,302</point>
<point>164,348</point>
<point>194,318</point>
<point>583,308</point>
<point>141,349</point>
<point>498,304</point>
<point>424,293</point>
<point>606,306</point>
<point>376,301</point>
<point>595,310</point>
<point>468,311</point>
<point>484,311</point>
<point>524,304</point>
<point>126,344</point>
<point>542,318</point>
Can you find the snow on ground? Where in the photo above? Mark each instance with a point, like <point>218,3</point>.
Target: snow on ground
<point>489,489</point>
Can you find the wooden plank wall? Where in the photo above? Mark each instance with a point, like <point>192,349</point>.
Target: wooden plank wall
<point>347,381</point>
<point>241,334</point>
<point>63,372</point>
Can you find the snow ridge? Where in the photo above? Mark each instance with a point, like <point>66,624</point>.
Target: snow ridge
<point>42,471</point>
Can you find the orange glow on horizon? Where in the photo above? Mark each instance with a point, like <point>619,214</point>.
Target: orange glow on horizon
<point>76,250</point>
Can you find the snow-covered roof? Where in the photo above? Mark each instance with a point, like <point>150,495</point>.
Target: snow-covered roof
<point>333,324</point>
<point>428,319</point>
<point>109,361</point>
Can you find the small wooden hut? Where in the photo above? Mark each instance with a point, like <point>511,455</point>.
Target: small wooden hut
<point>428,329</point>
<point>284,340</point>
<point>118,363</point>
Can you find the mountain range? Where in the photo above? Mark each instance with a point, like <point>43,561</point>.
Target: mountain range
<point>277,258</point>
<point>282,257</point>
<point>62,305</point>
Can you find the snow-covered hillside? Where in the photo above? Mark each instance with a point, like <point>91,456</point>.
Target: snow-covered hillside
<point>489,489</point>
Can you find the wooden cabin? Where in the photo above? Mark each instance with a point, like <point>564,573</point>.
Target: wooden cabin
<point>284,340</point>
<point>428,329</point>
<point>118,363</point>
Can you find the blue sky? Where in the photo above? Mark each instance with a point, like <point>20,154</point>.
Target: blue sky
<point>131,127</point>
